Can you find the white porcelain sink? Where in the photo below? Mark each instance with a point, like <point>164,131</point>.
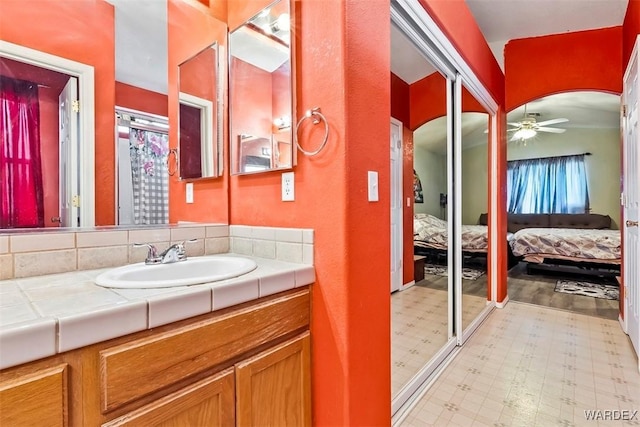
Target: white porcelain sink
<point>192,271</point>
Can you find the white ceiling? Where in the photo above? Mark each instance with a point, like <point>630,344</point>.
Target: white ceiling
<point>504,20</point>
<point>141,43</point>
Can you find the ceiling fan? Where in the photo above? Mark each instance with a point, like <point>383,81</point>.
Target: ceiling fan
<point>528,127</point>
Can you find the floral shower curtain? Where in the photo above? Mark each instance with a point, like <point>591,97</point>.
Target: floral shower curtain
<point>21,191</point>
<point>148,151</point>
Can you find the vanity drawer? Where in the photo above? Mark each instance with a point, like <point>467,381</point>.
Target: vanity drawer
<point>137,368</point>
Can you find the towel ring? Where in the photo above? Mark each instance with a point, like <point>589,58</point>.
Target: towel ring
<point>173,151</point>
<point>317,118</point>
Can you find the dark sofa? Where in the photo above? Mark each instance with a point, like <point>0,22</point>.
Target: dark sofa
<point>517,222</point>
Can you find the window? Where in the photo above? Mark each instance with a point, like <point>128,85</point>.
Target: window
<point>547,185</point>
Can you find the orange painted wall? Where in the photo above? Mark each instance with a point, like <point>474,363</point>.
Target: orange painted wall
<point>428,100</point>
<point>564,62</point>
<point>630,30</point>
<point>350,321</point>
<point>88,37</point>
<point>400,107</point>
<point>211,202</point>
<point>457,22</point>
<point>139,99</point>
<point>407,217</point>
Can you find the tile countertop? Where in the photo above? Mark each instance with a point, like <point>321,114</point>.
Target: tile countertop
<point>45,315</point>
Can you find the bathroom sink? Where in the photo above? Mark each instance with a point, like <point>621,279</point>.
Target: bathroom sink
<point>191,271</point>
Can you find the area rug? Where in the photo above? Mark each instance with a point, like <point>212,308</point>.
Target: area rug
<point>588,289</point>
<point>440,270</point>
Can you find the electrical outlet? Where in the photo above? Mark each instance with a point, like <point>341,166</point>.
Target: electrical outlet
<point>287,187</point>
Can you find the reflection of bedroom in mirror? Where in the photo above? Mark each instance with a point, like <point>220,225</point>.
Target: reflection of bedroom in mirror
<point>142,174</point>
<point>426,305</point>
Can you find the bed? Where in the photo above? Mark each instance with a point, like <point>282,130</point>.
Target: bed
<point>577,250</point>
<point>430,238</point>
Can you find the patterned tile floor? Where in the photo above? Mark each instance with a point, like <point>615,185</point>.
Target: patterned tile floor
<point>419,325</point>
<point>529,365</point>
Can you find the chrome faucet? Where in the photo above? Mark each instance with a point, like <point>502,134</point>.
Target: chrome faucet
<point>174,253</point>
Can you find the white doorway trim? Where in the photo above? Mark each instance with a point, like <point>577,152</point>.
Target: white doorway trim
<point>397,205</point>
<point>631,198</point>
<point>86,92</point>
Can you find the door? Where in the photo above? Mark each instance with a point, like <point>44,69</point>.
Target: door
<point>273,388</point>
<point>396,205</point>
<point>631,200</point>
<point>208,402</point>
<point>69,181</point>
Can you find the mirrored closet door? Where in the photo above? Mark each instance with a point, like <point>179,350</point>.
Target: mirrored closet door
<point>422,316</point>
<point>472,219</point>
<point>448,116</point>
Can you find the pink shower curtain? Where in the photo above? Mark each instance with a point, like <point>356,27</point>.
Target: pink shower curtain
<point>20,163</point>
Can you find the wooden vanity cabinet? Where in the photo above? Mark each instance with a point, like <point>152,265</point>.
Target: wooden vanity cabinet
<point>244,365</point>
<point>35,395</point>
<point>253,359</point>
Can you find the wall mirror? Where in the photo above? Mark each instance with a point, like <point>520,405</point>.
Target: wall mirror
<point>261,98</point>
<point>199,116</point>
<point>141,65</point>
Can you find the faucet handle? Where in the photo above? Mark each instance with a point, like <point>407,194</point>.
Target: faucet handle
<point>152,254</point>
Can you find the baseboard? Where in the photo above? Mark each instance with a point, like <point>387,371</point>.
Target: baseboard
<point>408,285</point>
<point>623,324</point>
<point>503,303</point>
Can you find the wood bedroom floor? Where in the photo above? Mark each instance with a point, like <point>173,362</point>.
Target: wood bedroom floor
<point>538,289</point>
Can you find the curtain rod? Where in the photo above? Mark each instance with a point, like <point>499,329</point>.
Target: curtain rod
<point>552,157</point>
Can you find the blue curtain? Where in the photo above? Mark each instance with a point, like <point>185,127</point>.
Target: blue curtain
<point>548,185</point>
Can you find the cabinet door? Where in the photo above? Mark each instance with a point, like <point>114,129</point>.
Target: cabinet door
<point>208,402</point>
<point>38,399</point>
<point>273,388</point>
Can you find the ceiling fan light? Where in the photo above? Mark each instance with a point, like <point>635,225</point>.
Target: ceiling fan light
<point>524,134</point>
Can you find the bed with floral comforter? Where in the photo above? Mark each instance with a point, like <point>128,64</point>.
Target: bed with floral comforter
<point>574,244</point>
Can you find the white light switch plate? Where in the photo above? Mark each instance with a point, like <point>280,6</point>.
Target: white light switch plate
<point>189,192</point>
<point>372,186</point>
<point>288,187</point>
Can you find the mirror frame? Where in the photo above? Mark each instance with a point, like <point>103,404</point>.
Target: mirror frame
<point>211,123</point>
<point>233,139</point>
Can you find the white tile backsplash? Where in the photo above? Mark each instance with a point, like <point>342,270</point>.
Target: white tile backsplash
<point>36,242</point>
<point>217,231</point>
<point>240,231</point>
<point>152,235</point>
<point>101,238</point>
<point>241,246</point>
<point>36,254</point>
<point>38,263</point>
<point>264,249</point>
<point>4,244</point>
<point>293,235</point>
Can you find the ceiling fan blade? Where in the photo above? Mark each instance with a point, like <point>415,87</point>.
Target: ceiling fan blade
<point>512,130</point>
<point>552,130</point>
<point>514,124</point>
<point>553,121</point>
